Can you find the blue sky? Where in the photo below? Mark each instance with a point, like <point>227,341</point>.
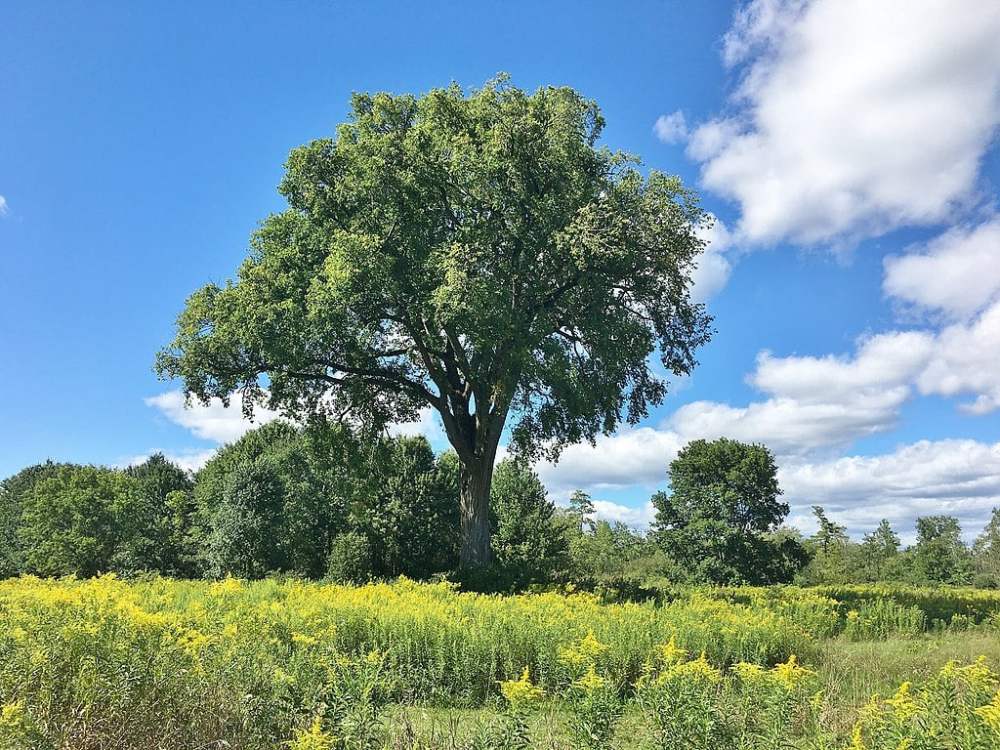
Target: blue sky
<point>847,148</point>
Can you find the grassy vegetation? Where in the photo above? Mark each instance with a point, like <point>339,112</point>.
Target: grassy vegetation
<point>169,664</point>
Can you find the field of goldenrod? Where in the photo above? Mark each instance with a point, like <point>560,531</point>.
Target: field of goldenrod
<point>157,663</point>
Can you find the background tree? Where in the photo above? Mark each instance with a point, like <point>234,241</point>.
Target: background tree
<point>829,536</point>
<point>409,515</point>
<point>607,551</point>
<point>939,555</point>
<point>69,520</point>
<point>310,477</point>
<point>159,518</point>
<point>527,541</point>
<point>245,533</point>
<point>724,497</point>
<point>986,553</point>
<point>13,491</point>
<point>581,507</point>
<point>782,555</point>
<point>878,548</point>
<point>477,254</point>
<point>834,557</point>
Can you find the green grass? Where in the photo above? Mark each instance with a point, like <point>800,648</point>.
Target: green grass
<point>850,673</point>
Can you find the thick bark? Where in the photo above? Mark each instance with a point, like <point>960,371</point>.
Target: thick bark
<point>475,481</point>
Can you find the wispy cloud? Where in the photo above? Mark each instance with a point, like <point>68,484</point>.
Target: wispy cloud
<point>671,128</point>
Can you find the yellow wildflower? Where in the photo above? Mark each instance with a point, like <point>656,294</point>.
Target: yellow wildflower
<point>521,693</point>
<point>587,651</point>
<point>749,674</point>
<point>790,674</point>
<point>903,706</point>
<point>301,639</point>
<point>11,715</point>
<point>313,738</point>
<point>990,713</point>
<point>698,671</point>
<point>857,743</point>
<point>670,653</point>
<point>590,681</point>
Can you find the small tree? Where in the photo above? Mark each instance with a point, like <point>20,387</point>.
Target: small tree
<point>315,474</point>
<point>159,518</point>
<point>724,498</point>
<point>479,255</point>
<point>986,552</point>
<point>581,507</point>
<point>526,540</point>
<point>878,548</point>
<point>830,536</point>
<point>408,514</point>
<point>940,554</point>
<point>245,532</point>
<point>835,558</point>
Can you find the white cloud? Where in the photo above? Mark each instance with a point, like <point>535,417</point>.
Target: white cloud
<point>853,117</point>
<point>816,403</point>
<point>710,138</point>
<point>189,460</point>
<point>633,456</point>
<point>224,424</point>
<point>216,422</point>
<point>3,206</point>
<point>966,360</point>
<point>957,273</point>
<point>953,477</point>
<point>427,424</point>
<point>758,26</point>
<point>671,128</point>
<point>638,518</point>
<point>713,268</point>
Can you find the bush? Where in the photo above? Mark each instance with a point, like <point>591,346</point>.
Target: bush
<point>350,558</point>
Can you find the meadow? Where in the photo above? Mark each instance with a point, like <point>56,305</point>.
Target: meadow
<point>159,663</point>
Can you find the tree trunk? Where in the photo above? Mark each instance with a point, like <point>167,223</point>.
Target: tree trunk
<point>475,481</point>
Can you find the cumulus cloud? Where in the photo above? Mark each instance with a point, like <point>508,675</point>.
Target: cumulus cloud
<point>224,424</point>
<point>957,273</point>
<point>816,402</point>
<point>633,456</point>
<point>966,360</point>
<point>954,477</point>
<point>639,518</point>
<point>671,128</point>
<point>852,117</point>
<point>215,422</point>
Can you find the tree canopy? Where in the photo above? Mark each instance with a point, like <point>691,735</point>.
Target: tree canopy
<point>479,254</point>
<point>724,498</point>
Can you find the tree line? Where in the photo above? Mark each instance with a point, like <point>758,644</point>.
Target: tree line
<point>321,502</point>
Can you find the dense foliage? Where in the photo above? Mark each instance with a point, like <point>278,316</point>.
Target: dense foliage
<point>717,519</point>
<point>318,501</point>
